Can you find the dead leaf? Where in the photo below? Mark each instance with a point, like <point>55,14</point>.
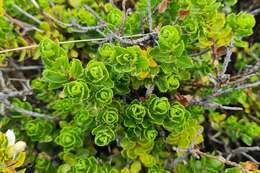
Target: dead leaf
<point>163,6</point>
<point>250,165</point>
<point>183,99</point>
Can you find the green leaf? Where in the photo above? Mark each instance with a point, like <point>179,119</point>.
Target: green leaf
<point>70,138</point>
<point>135,167</point>
<point>103,135</point>
<point>147,160</point>
<point>232,170</point>
<point>76,69</point>
<point>78,89</point>
<point>54,77</point>
<point>158,109</point>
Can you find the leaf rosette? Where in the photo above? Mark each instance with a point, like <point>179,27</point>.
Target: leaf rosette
<point>103,135</point>
<point>70,138</point>
<point>43,162</point>
<point>158,109</point>
<point>50,50</point>
<point>96,73</point>
<point>135,114</point>
<point>77,89</point>
<point>107,50</point>
<point>109,116</point>
<point>177,118</point>
<point>83,118</point>
<point>125,59</point>
<point>86,165</point>
<point>150,134</point>
<point>104,95</point>
<point>169,35</point>
<point>39,130</point>
<point>173,82</point>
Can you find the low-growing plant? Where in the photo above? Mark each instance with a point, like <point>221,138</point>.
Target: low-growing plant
<point>128,87</point>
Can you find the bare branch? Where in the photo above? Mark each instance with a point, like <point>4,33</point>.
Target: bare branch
<point>246,149</point>
<point>250,158</point>
<point>35,4</point>
<point>197,152</point>
<point>25,112</point>
<point>219,106</point>
<point>240,87</point>
<point>75,26</point>
<point>255,11</point>
<point>25,26</point>
<point>22,68</point>
<point>149,91</point>
<point>143,37</point>
<point>149,13</point>
<point>27,14</point>
<point>227,59</point>
<point>121,39</point>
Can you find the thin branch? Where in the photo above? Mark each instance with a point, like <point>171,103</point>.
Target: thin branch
<point>125,14</point>
<point>200,53</point>
<point>22,68</point>
<point>246,149</point>
<point>221,91</point>
<point>149,13</point>
<point>227,59</point>
<point>186,151</point>
<point>240,87</point>
<point>149,91</point>
<point>79,28</point>
<point>26,26</point>
<point>121,39</point>
<point>219,106</point>
<point>197,152</point>
<point>250,158</point>
<point>27,14</point>
<point>10,106</point>
<point>255,11</point>
<point>221,159</point>
<point>35,4</point>
<point>77,41</point>
<point>242,79</point>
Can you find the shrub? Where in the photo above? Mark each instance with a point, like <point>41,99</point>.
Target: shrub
<point>128,88</point>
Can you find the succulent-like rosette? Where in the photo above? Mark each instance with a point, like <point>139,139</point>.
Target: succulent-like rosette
<point>77,89</point>
<point>39,130</point>
<point>122,85</point>
<point>70,138</point>
<point>96,73</point>
<point>173,82</point>
<point>104,95</point>
<point>125,59</point>
<point>109,116</point>
<point>88,165</point>
<point>50,50</point>
<point>135,114</point>
<point>43,162</point>
<point>157,169</point>
<point>81,165</point>
<point>107,50</point>
<point>242,23</point>
<point>169,35</point>
<point>83,118</point>
<point>158,109</point>
<point>114,16</point>
<point>150,133</point>
<point>177,118</point>
<point>103,135</point>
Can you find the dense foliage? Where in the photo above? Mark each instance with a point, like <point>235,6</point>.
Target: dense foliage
<point>111,100</point>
